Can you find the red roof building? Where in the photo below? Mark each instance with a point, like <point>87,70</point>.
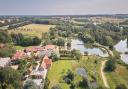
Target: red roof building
<point>46,63</point>
<point>18,55</point>
<point>34,49</point>
<point>50,47</point>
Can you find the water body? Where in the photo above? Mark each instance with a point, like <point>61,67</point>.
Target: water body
<point>79,45</point>
<point>122,47</point>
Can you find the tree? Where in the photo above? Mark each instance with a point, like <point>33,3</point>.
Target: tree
<point>4,37</point>
<point>76,54</point>
<point>10,77</point>
<point>110,65</point>
<point>46,84</point>
<point>59,42</point>
<point>69,77</point>
<point>72,86</point>
<point>55,56</point>
<point>36,41</point>
<point>121,86</point>
<point>56,87</point>
<point>29,84</point>
<point>7,51</point>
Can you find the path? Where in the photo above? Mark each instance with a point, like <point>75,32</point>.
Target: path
<point>104,47</point>
<point>103,74</point>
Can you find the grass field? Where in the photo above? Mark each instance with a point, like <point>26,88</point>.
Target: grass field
<point>20,47</point>
<point>120,76</point>
<point>32,29</point>
<point>56,70</point>
<point>92,65</point>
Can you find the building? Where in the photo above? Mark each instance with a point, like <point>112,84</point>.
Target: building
<point>5,62</point>
<point>48,50</point>
<point>18,55</point>
<point>46,63</point>
<point>34,49</point>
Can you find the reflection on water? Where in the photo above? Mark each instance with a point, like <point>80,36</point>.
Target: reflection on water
<point>77,44</point>
<point>122,47</point>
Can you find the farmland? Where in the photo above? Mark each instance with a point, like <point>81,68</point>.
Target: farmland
<point>32,29</point>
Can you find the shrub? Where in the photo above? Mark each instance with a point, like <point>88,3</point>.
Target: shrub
<point>110,65</point>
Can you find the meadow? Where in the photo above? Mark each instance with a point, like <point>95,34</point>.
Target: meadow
<point>32,29</point>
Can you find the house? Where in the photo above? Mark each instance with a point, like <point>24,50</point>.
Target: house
<point>18,55</point>
<point>50,47</point>
<point>46,63</point>
<point>34,49</point>
<point>48,50</point>
<point>5,62</point>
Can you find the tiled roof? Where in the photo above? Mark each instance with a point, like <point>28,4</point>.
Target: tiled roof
<point>50,47</point>
<point>18,55</point>
<point>47,60</point>
<point>34,48</point>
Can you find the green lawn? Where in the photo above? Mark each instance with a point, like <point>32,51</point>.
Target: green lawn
<point>20,47</point>
<point>57,69</point>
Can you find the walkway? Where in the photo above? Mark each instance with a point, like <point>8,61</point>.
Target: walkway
<point>103,74</point>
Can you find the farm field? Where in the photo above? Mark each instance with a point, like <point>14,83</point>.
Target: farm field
<point>55,73</point>
<point>32,29</point>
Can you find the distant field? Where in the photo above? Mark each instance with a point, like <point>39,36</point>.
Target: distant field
<point>105,19</point>
<point>32,29</point>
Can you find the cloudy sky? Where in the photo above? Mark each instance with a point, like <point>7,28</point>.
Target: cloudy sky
<point>62,7</point>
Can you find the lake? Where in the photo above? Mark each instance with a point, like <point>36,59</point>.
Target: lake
<point>79,45</point>
<point>122,47</point>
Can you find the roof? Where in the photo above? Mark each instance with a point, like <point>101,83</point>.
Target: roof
<point>34,48</point>
<point>46,60</point>
<point>18,55</point>
<point>50,47</point>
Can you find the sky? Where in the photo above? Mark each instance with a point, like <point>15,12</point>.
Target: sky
<point>63,7</point>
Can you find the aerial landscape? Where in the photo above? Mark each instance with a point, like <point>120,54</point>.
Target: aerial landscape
<point>63,44</point>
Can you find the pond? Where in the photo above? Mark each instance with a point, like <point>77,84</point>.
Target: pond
<point>79,45</point>
<point>122,47</point>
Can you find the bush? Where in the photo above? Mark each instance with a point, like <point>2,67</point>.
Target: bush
<point>121,86</point>
<point>56,87</point>
<point>110,65</point>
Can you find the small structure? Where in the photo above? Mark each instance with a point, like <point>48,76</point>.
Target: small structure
<point>5,62</point>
